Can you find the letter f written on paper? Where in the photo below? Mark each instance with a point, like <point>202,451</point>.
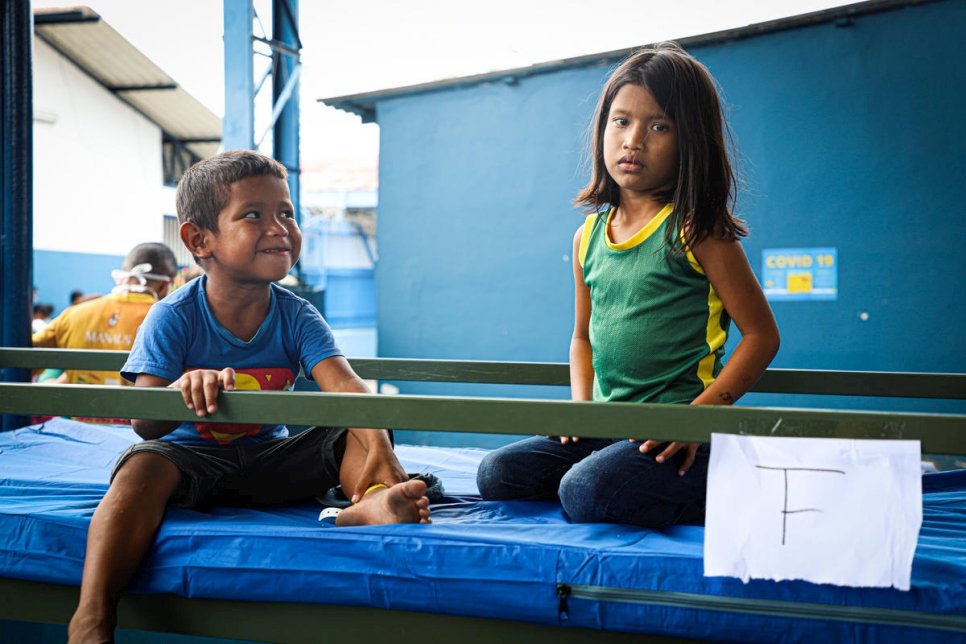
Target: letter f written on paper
<point>826,510</point>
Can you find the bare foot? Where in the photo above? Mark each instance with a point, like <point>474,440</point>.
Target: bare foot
<point>89,629</point>
<point>402,503</point>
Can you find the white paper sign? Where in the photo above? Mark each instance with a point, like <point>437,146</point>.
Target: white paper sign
<point>826,510</point>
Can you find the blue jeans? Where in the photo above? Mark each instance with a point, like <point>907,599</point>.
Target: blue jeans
<point>598,481</point>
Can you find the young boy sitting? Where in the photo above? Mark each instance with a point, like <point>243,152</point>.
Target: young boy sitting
<point>233,328</point>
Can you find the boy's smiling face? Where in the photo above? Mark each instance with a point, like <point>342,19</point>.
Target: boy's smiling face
<point>258,240</point>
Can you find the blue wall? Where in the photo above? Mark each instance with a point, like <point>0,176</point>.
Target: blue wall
<point>350,298</point>
<point>57,273</point>
<point>850,136</point>
<point>475,224</point>
<point>336,260</point>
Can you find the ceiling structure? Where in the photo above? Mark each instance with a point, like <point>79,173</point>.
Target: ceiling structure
<point>94,46</point>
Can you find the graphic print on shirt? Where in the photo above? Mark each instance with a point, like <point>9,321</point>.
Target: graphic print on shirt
<point>270,379</point>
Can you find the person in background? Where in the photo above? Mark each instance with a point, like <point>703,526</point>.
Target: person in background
<point>76,297</point>
<point>185,275</point>
<point>41,319</point>
<point>110,322</point>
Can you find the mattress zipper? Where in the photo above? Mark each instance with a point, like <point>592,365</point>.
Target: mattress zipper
<point>769,607</point>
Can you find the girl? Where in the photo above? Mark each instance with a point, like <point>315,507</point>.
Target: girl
<point>659,275</point>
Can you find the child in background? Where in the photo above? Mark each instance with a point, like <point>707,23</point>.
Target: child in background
<point>76,297</point>
<point>233,328</point>
<point>659,275</point>
<point>41,319</point>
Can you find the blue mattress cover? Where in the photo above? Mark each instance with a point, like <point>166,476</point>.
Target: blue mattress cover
<point>478,558</point>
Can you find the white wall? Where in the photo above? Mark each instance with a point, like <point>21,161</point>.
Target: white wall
<point>97,164</point>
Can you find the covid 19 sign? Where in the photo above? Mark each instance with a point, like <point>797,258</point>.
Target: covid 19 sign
<point>800,273</point>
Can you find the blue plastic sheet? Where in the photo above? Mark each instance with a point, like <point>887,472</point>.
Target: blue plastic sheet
<point>481,559</point>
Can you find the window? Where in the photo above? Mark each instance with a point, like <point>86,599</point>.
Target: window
<point>172,239</point>
<point>176,158</point>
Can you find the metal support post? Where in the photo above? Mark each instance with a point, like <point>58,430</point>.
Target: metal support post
<point>285,93</point>
<point>16,185</point>
<point>238,126</point>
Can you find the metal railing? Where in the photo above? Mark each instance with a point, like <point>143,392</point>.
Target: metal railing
<point>939,433</point>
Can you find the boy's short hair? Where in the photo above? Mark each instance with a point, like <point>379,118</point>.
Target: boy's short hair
<point>205,187</point>
<point>159,256</point>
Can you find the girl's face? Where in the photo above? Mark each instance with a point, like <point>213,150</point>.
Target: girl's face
<point>640,143</point>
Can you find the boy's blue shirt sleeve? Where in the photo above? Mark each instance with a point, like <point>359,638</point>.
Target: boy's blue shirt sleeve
<point>159,347</point>
<point>315,338</point>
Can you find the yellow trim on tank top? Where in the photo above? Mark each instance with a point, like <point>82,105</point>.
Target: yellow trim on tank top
<point>715,336</point>
<point>637,238</point>
<point>585,238</point>
<point>692,260</point>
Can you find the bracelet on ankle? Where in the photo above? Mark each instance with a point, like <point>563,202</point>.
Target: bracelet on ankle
<point>374,487</point>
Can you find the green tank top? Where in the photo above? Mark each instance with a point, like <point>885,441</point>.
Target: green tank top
<point>657,326</point>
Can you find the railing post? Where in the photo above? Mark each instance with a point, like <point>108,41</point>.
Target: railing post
<point>16,185</point>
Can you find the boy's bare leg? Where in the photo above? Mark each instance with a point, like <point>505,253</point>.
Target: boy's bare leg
<point>402,503</point>
<point>118,539</point>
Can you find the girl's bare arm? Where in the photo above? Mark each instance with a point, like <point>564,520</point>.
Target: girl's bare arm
<point>727,268</point>
<point>581,356</point>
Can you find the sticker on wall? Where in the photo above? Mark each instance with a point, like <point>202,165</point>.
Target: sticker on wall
<point>800,273</point>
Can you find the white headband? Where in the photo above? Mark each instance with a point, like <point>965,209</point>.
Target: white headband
<point>142,273</point>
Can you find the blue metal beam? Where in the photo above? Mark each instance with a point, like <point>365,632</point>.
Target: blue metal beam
<point>238,126</point>
<point>241,90</point>
<point>16,185</point>
<point>285,93</point>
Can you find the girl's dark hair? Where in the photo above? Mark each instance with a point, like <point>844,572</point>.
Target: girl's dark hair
<point>205,187</point>
<point>704,193</point>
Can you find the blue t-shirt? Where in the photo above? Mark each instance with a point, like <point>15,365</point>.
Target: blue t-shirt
<point>180,334</point>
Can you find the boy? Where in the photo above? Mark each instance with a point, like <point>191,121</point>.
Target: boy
<point>233,328</point>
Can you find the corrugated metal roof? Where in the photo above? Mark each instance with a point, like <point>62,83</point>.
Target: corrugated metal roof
<point>82,36</point>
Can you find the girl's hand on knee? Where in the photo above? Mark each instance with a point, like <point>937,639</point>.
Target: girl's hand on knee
<point>692,450</point>
<point>565,440</point>
<point>672,449</point>
<point>199,388</point>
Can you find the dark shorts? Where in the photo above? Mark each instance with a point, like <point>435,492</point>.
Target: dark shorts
<point>281,470</point>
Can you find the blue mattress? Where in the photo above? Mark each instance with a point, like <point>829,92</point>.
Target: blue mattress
<point>519,561</point>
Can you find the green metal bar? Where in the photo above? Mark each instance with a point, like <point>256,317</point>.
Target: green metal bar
<point>785,381</point>
<point>863,383</point>
<point>291,622</point>
<point>939,433</point>
<point>521,373</point>
<point>514,373</point>
<point>770,607</point>
<point>62,359</point>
